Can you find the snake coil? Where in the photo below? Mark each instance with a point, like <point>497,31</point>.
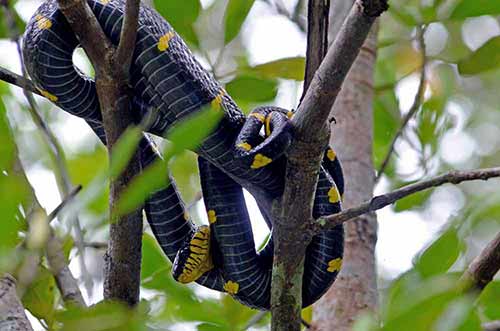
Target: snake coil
<point>168,82</point>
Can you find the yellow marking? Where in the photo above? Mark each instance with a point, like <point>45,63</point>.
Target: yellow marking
<point>231,287</point>
<point>334,265</point>
<point>289,114</point>
<point>258,116</point>
<point>331,154</point>
<point>212,217</point>
<point>164,40</point>
<point>105,2</point>
<point>333,195</point>
<point>246,146</point>
<point>43,22</point>
<point>259,161</point>
<point>49,95</point>
<point>186,216</point>
<point>268,125</point>
<point>217,101</point>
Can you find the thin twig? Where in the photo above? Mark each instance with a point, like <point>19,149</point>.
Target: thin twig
<point>419,96</point>
<point>254,320</point>
<point>71,195</point>
<point>95,245</point>
<point>17,80</point>
<point>378,202</point>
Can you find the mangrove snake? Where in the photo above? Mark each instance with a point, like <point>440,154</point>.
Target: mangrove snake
<point>167,81</point>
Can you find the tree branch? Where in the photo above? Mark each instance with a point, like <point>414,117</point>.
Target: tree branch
<point>378,202</point>
<point>128,36</point>
<point>15,79</point>
<point>417,102</point>
<point>123,257</point>
<point>317,38</point>
<point>484,267</point>
<point>293,214</point>
<point>313,112</point>
<point>12,316</point>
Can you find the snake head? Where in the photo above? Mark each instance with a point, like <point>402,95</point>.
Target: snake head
<point>194,258</point>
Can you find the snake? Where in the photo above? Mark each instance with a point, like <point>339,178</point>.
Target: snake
<point>241,152</point>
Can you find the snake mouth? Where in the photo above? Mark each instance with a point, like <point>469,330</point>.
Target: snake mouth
<point>193,259</point>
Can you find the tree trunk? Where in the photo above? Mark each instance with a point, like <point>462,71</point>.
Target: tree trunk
<point>355,290</point>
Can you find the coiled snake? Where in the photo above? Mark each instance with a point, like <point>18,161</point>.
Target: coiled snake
<point>169,82</point>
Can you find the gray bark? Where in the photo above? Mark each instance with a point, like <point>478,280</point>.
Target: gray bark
<point>12,316</point>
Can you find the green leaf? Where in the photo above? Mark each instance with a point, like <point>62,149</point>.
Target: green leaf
<point>413,201</point>
<point>123,150</point>
<point>188,134</point>
<point>20,24</point>
<point>236,13</point>
<point>485,58</point>
<point>286,68</point>
<point>104,316</point>
<point>7,146</point>
<point>415,304</point>
<point>469,8</point>
<point>402,15</point>
<point>488,300</point>
<point>440,255</point>
<point>181,15</point>
<point>39,298</point>
<point>252,89</point>
<point>84,168</point>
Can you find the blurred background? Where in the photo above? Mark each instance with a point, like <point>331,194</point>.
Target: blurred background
<point>438,59</point>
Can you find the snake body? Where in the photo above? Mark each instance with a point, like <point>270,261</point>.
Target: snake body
<point>169,83</point>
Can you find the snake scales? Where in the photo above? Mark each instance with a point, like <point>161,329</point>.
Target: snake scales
<point>168,82</point>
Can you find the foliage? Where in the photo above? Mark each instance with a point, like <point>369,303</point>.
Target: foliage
<point>456,126</point>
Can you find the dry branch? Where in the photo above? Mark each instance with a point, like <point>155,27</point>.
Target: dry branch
<point>378,202</point>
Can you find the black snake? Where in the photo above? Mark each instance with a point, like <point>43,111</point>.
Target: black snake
<point>168,82</point>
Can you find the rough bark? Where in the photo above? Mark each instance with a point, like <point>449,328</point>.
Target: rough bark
<point>355,290</point>
<point>123,258</point>
<point>292,215</point>
<point>12,316</point>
